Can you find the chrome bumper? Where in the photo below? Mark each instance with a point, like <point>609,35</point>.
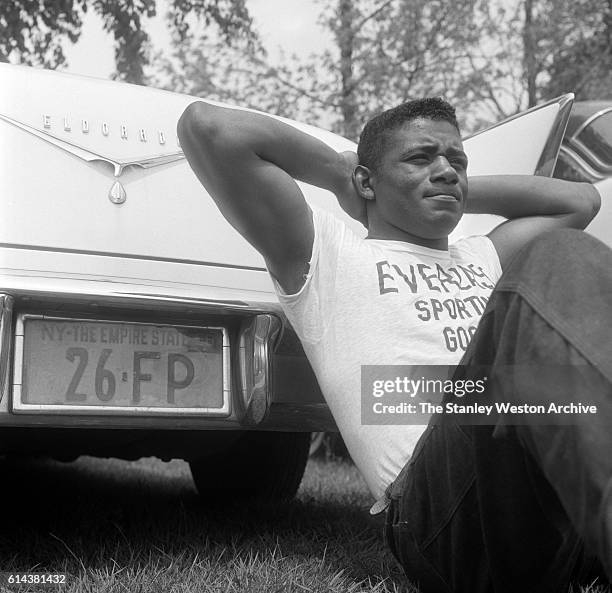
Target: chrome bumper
<point>273,386</point>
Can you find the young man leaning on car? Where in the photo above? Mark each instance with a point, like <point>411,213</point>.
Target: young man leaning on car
<point>499,508</point>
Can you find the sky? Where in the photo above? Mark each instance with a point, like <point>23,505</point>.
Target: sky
<point>288,24</point>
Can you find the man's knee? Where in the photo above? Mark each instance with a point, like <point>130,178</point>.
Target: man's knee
<point>570,253</point>
<point>563,245</point>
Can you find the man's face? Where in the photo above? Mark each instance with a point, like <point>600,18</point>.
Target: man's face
<point>420,185</point>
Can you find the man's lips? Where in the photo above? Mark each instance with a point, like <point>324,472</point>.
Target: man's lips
<point>443,196</point>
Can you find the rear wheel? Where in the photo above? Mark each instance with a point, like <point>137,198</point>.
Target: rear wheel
<point>256,465</point>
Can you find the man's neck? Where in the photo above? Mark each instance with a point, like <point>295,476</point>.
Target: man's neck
<point>381,229</point>
<point>395,234</point>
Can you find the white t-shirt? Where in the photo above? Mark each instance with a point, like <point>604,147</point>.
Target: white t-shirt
<point>383,302</point>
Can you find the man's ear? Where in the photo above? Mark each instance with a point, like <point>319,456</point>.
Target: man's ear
<point>362,180</point>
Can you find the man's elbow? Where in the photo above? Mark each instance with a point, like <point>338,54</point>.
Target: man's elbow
<point>589,205</point>
<point>197,126</point>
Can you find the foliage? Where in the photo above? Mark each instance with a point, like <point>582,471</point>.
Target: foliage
<point>240,74</point>
<point>491,58</point>
<point>383,53</point>
<point>392,51</point>
<point>33,32</point>
<point>532,50</point>
<point>584,63</point>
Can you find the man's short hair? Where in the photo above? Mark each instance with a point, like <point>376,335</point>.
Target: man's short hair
<point>372,139</point>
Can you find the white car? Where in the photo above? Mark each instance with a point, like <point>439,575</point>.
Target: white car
<point>134,321</point>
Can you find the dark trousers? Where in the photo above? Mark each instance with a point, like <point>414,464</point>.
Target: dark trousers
<point>525,506</point>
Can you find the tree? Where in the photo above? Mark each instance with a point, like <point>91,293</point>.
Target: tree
<point>491,58</point>
<point>393,51</point>
<point>584,65</point>
<point>389,51</point>
<point>33,32</point>
<point>533,50</point>
<point>240,74</point>
<point>384,52</point>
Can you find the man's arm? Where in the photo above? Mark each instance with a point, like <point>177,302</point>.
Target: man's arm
<point>532,205</point>
<point>248,163</point>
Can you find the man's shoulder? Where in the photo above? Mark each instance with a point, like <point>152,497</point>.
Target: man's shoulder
<point>477,245</point>
<point>478,249</point>
<point>334,228</point>
<point>328,216</point>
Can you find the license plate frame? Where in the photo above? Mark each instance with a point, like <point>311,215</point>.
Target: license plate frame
<point>19,405</point>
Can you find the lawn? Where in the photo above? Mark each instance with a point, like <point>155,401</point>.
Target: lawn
<point>139,527</point>
<point>115,526</point>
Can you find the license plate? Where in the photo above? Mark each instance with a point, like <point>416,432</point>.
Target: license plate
<point>70,365</point>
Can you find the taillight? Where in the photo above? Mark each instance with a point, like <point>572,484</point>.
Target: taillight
<point>256,341</point>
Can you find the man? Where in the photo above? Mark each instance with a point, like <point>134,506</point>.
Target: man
<point>376,301</point>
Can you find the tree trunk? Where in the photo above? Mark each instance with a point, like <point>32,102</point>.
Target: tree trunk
<point>529,55</point>
<point>608,26</point>
<point>346,39</point>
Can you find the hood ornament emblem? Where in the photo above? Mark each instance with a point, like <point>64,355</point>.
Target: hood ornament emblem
<point>117,193</point>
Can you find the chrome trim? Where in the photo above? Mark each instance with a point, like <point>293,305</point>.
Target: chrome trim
<point>102,295</point>
<point>225,294</point>
<point>6,319</point>
<point>574,142</point>
<point>589,121</point>
<point>550,152</point>
<point>581,163</point>
<point>18,406</point>
<point>117,194</point>
<point>257,338</point>
<point>561,99</point>
<point>17,362</point>
<point>194,262</point>
<point>90,156</point>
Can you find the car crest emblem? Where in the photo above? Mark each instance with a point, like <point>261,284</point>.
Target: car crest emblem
<point>117,193</point>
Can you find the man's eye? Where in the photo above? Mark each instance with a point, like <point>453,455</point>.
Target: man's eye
<point>415,158</point>
<point>458,162</point>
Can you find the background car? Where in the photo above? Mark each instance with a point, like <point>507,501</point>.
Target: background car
<point>134,320</point>
<point>586,155</point>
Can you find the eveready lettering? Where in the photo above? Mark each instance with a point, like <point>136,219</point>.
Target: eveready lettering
<point>423,277</point>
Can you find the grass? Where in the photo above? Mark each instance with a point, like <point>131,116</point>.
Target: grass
<point>139,527</point>
<point>116,526</point>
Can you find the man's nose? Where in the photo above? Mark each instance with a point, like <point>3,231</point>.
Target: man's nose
<point>443,170</point>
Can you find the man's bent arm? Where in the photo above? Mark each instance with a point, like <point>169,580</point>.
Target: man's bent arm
<point>248,162</point>
<point>533,205</point>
